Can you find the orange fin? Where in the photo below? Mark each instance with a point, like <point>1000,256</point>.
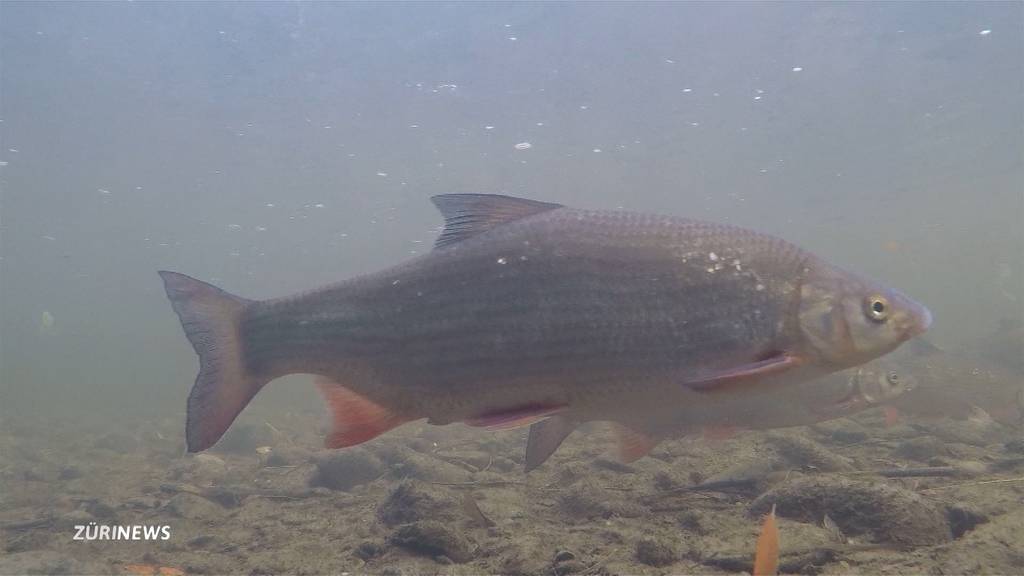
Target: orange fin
<point>723,432</point>
<point>633,445</point>
<point>745,376</point>
<point>892,415</point>
<point>766,557</point>
<point>514,418</point>
<point>355,419</point>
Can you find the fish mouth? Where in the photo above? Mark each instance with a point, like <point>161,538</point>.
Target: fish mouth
<point>921,320</point>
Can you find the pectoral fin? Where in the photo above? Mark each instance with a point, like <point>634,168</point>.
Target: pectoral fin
<point>746,375</point>
<point>545,437</point>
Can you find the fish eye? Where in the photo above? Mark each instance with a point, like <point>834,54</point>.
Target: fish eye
<point>877,308</point>
<point>892,378</point>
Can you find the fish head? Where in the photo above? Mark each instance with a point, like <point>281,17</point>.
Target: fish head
<point>867,386</point>
<point>878,383</point>
<point>847,320</point>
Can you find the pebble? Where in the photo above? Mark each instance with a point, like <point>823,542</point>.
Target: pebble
<point>345,469</point>
<point>655,553</point>
<point>410,503</point>
<point>886,512</point>
<point>432,538</point>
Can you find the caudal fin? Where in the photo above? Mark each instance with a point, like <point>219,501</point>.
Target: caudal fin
<point>210,317</point>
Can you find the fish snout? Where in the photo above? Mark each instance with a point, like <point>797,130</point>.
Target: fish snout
<point>912,319</point>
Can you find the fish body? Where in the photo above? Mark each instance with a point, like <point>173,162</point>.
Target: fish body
<point>526,309</point>
<point>836,395</point>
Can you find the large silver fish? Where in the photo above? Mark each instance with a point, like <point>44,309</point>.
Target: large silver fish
<point>526,310</point>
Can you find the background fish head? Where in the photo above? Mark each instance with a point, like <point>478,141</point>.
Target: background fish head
<point>848,320</point>
<point>879,382</point>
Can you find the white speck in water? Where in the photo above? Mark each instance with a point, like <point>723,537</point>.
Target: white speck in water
<point>584,107</point>
<point>669,61</point>
<point>15,150</point>
<point>694,123</point>
<point>523,146</point>
<point>261,228</point>
<point>234,254</point>
<point>757,97</point>
<point>382,174</point>
<point>711,269</point>
<point>234,227</point>
<point>687,90</point>
<point>522,258</point>
<point>395,283</point>
<point>736,263</point>
<point>597,150</point>
<point>502,261</point>
<point>540,123</point>
<point>713,257</point>
<point>103,191</point>
<point>414,125</point>
<point>798,69</point>
<point>318,205</point>
<point>269,204</point>
<point>488,127</point>
<point>3,163</point>
<point>513,38</point>
<point>48,237</point>
<point>985,32</point>
<point>343,235</point>
<point>759,287</point>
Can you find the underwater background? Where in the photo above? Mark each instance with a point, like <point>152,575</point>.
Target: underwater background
<point>274,147</point>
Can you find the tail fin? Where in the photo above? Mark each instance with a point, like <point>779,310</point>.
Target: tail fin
<point>210,317</point>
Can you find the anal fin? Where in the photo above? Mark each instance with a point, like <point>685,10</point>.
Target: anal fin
<point>355,418</point>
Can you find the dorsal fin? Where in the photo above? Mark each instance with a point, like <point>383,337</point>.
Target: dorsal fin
<point>466,215</point>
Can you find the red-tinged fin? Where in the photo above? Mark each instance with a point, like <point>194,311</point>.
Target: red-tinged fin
<point>719,433</point>
<point>545,437</point>
<point>515,417</point>
<point>210,318</point>
<point>355,418</point>
<point>466,215</point>
<point>766,556</point>
<point>633,445</point>
<point>745,376</point>
<point>892,415</point>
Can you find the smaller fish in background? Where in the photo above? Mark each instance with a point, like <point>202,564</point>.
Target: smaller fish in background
<point>766,555</point>
<point>957,386</point>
